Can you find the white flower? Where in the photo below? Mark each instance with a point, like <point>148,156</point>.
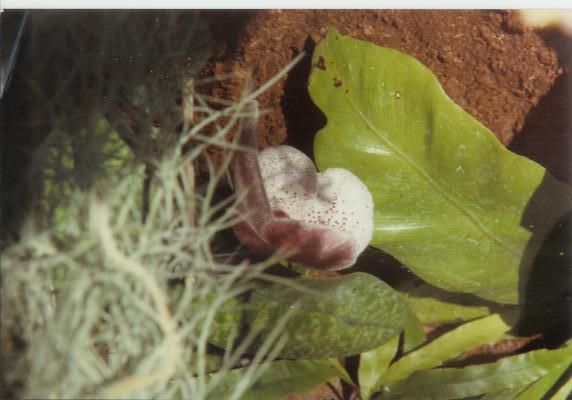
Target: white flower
<point>322,220</point>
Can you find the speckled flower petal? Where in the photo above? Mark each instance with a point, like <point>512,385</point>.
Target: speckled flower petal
<point>336,198</point>
<point>321,220</point>
<point>315,246</point>
<point>289,177</point>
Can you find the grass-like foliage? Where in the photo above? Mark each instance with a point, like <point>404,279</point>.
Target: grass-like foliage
<point>118,222</point>
<point>93,303</point>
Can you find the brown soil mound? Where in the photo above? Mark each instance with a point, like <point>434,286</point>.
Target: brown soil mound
<point>487,61</point>
<point>547,134</point>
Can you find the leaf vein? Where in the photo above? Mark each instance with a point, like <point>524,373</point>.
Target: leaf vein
<point>439,186</point>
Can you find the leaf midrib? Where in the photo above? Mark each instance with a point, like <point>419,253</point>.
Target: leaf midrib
<point>439,186</point>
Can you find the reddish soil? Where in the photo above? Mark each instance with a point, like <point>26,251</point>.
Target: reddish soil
<point>487,61</point>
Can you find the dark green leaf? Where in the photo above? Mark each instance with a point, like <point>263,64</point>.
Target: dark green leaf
<point>330,317</point>
<point>280,379</point>
<point>451,203</point>
<point>453,383</point>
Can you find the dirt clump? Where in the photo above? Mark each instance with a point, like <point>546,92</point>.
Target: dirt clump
<point>487,61</point>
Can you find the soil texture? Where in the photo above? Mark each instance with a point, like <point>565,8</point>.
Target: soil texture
<point>487,61</point>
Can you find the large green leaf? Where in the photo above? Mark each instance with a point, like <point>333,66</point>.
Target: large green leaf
<point>326,317</point>
<point>278,380</point>
<point>454,383</point>
<point>451,203</point>
<point>467,336</point>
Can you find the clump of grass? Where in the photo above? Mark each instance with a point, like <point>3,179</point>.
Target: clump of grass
<point>94,306</point>
<point>89,306</point>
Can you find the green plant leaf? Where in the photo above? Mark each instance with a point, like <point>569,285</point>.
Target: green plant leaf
<point>413,335</point>
<point>326,317</point>
<point>503,394</point>
<point>278,380</point>
<point>451,203</point>
<point>564,391</point>
<point>453,383</point>
<point>432,305</point>
<point>467,336</point>
<point>373,364</point>
<point>539,389</point>
<point>342,372</point>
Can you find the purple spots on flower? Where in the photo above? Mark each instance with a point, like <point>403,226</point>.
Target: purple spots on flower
<point>323,220</point>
